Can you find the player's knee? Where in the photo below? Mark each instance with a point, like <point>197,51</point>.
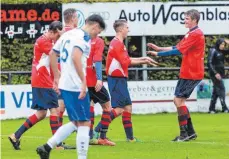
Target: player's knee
<point>41,114</point>
<point>54,111</point>
<point>83,123</point>
<point>106,106</point>
<point>128,108</point>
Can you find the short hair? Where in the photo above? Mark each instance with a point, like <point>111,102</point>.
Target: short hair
<point>68,13</point>
<point>96,18</point>
<point>194,14</point>
<point>55,26</point>
<point>119,23</point>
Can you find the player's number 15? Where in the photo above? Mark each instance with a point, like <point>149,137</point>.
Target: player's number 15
<point>65,51</point>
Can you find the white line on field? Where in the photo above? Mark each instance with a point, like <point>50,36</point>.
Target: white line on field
<point>154,141</point>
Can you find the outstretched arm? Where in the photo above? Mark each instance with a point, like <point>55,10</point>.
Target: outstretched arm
<point>165,53</point>
<point>143,60</point>
<point>157,48</point>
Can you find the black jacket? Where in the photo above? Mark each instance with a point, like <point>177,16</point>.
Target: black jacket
<point>216,61</point>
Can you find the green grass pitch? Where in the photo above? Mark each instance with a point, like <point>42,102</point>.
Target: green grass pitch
<point>155,131</point>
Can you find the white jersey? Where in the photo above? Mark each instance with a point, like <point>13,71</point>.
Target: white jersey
<point>70,79</point>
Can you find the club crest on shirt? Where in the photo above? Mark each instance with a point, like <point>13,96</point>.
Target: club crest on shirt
<point>186,36</point>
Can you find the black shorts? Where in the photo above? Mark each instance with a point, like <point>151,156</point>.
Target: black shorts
<point>100,97</point>
<point>185,87</point>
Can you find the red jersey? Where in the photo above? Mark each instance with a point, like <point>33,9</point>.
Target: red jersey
<point>41,73</point>
<point>192,47</point>
<point>96,54</point>
<point>118,59</point>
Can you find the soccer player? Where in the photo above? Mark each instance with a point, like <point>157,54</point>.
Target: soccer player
<point>117,64</point>
<point>71,21</point>
<point>74,49</point>
<point>191,47</point>
<point>44,97</point>
<point>97,92</point>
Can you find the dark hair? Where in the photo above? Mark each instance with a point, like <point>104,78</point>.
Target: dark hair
<point>119,23</point>
<point>55,25</point>
<point>218,42</point>
<point>194,14</point>
<point>96,18</point>
<point>68,13</point>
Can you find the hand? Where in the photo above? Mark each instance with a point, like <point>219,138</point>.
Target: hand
<point>227,41</point>
<point>150,61</point>
<point>83,91</point>
<point>154,53</point>
<point>218,77</point>
<point>98,85</point>
<point>153,46</point>
<point>55,85</point>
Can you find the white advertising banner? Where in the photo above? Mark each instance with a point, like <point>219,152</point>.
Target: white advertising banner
<point>147,97</point>
<point>155,18</point>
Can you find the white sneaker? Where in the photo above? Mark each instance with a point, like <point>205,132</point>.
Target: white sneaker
<point>212,112</point>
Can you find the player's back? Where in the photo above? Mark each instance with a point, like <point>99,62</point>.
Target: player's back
<point>75,38</point>
<point>41,73</point>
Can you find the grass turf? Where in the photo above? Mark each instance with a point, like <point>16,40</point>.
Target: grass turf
<point>155,131</point>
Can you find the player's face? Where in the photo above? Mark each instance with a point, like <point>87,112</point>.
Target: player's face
<point>222,45</point>
<point>96,30</point>
<point>75,20</point>
<point>188,22</point>
<point>55,36</point>
<point>125,30</point>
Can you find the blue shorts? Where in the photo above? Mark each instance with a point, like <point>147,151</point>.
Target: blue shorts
<point>44,98</point>
<point>185,87</point>
<point>118,89</point>
<point>77,109</point>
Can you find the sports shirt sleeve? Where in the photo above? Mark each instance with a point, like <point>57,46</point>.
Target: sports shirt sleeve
<point>187,43</point>
<point>98,51</point>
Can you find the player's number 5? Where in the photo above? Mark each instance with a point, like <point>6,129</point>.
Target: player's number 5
<point>65,51</point>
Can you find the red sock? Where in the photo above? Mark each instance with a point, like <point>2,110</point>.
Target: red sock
<point>61,118</point>
<point>92,118</point>
<point>54,123</point>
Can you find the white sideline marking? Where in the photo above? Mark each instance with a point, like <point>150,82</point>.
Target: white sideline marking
<point>153,141</point>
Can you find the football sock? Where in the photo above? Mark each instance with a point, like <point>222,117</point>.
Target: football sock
<point>61,118</point>
<point>113,115</point>
<point>190,126</point>
<point>92,118</point>
<point>32,120</point>
<point>54,123</point>
<point>183,115</point>
<point>82,142</point>
<point>61,134</point>
<point>127,123</point>
<point>105,122</point>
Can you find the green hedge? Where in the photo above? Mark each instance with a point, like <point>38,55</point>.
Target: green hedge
<point>17,56</point>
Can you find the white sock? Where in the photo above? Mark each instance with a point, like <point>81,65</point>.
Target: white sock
<point>61,134</point>
<point>82,141</point>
